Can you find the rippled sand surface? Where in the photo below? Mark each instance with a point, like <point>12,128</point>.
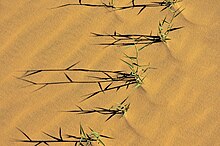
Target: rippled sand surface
<point>178,103</point>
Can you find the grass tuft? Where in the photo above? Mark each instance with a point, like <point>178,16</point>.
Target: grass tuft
<point>106,80</point>
<point>111,5</point>
<point>85,139</point>
<point>164,28</point>
<point>137,71</point>
<point>119,109</point>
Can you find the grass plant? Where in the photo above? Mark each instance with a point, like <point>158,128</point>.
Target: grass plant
<point>85,139</point>
<point>119,109</point>
<point>106,80</point>
<point>166,4</point>
<point>164,28</point>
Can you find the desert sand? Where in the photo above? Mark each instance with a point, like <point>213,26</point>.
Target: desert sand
<point>178,104</point>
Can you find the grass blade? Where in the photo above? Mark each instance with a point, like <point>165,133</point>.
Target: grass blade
<point>68,77</point>
<point>72,65</point>
<point>25,134</point>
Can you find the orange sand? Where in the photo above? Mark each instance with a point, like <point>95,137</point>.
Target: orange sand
<point>177,105</point>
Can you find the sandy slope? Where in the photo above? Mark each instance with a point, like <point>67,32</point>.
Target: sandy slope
<point>178,104</point>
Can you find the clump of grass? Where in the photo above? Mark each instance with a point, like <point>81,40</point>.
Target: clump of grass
<point>164,28</point>
<point>113,80</point>
<point>106,80</point>
<point>137,71</point>
<point>88,139</point>
<point>119,109</point>
<point>111,5</point>
<point>85,139</point>
<point>136,76</point>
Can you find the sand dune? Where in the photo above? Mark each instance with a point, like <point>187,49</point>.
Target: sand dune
<point>178,103</point>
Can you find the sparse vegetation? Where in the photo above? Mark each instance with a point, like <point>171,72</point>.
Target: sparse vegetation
<point>164,28</point>
<point>119,109</point>
<point>115,80</point>
<point>106,80</point>
<point>111,5</point>
<point>85,139</point>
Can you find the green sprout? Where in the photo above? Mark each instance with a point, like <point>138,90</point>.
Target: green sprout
<point>137,71</point>
<point>166,26</point>
<point>121,108</point>
<point>87,139</point>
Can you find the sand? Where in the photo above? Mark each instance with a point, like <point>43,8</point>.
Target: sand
<point>178,103</point>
